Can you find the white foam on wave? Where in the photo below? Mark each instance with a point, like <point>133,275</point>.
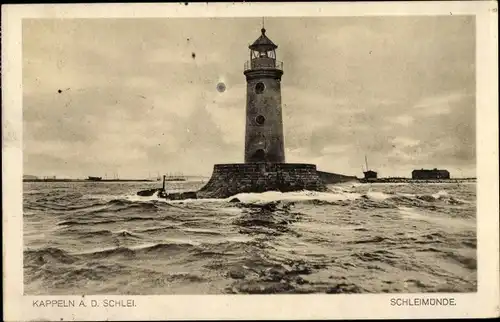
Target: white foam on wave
<point>194,201</point>
<point>377,195</point>
<point>339,193</point>
<point>266,197</point>
<point>408,195</point>
<point>128,197</point>
<point>411,213</point>
<point>440,193</point>
<point>272,196</point>
<point>123,231</point>
<point>170,241</point>
<point>136,198</point>
<point>138,246</point>
<point>463,201</point>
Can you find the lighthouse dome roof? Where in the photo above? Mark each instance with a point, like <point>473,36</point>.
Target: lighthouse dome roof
<point>263,43</point>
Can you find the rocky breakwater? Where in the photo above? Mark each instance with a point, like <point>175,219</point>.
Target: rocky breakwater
<point>230,179</point>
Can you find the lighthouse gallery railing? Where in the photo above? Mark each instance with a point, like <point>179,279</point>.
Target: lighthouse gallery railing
<point>253,64</point>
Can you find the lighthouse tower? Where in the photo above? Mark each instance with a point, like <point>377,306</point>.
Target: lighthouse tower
<point>264,140</point>
<point>264,168</point>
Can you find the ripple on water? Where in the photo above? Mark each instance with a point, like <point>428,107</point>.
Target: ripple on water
<point>103,239</point>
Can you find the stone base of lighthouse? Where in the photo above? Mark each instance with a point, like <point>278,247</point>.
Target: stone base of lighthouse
<point>230,179</point>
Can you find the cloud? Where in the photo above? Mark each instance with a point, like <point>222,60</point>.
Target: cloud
<point>440,104</point>
<point>405,142</point>
<point>404,120</point>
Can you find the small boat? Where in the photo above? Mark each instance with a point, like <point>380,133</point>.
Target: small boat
<point>94,178</point>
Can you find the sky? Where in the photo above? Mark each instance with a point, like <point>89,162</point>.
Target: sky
<point>137,97</point>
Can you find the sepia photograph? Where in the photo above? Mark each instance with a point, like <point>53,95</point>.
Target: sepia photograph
<point>223,155</point>
<point>263,154</point>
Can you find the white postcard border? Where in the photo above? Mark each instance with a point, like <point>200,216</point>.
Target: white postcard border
<point>481,304</point>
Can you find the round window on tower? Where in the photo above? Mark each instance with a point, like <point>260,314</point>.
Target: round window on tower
<point>259,88</point>
<point>260,119</point>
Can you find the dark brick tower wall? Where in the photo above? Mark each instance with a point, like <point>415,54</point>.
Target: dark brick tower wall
<point>230,179</point>
<point>264,141</point>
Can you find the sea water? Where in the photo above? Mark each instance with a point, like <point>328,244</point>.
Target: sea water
<point>101,238</point>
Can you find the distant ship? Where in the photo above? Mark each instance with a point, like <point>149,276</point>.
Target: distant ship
<point>175,177</point>
<point>94,178</point>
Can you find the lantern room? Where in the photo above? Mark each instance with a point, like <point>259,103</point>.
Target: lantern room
<point>263,54</point>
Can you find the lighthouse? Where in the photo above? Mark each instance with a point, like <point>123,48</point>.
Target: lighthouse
<point>264,167</point>
<point>264,141</point>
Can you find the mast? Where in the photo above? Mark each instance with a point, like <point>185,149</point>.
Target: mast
<point>366,162</point>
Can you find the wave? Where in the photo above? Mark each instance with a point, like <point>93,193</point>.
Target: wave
<point>85,222</point>
<point>142,249</point>
<point>460,223</point>
<point>465,261</point>
<point>98,233</point>
<point>47,255</point>
<point>85,234</point>
<point>156,229</point>
<point>68,206</point>
<point>55,255</point>
<point>93,221</point>
<point>201,231</point>
<point>44,255</point>
<point>339,195</point>
<point>274,196</point>
<point>127,234</point>
<point>271,242</point>
<point>376,240</point>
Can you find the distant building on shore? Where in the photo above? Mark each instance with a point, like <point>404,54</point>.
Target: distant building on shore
<point>430,174</point>
<point>370,175</point>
